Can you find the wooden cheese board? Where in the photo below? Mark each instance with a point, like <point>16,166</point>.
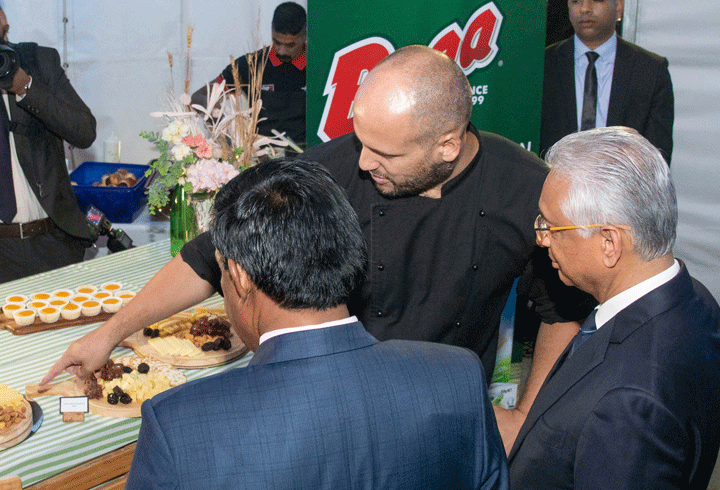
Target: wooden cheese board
<point>40,326</point>
<point>19,431</point>
<point>76,387</point>
<point>140,344</point>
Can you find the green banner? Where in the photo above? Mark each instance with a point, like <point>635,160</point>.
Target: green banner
<point>498,44</point>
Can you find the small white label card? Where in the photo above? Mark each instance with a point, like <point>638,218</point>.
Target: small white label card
<point>75,404</point>
<point>74,408</point>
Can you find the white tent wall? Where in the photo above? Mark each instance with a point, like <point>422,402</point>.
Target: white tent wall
<point>116,55</point>
<point>687,36</point>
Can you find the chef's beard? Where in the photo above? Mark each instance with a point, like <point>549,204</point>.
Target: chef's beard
<point>428,176</point>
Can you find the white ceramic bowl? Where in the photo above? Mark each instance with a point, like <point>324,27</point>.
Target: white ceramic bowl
<point>9,310</point>
<point>111,287</point>
<point>49,314</point>
<point>86,289</point>
<point>90,308</point>
<point>79,299</point>
<point>24,316</point>
<point>63,294</point>
<point>36,305</point>
<point>39,297</point>
<point>125,296</point>
<point>58,302</point>
<point>101,295</point>
<point>112,304</point>
<point>70,311</point>
<point>17,299</point>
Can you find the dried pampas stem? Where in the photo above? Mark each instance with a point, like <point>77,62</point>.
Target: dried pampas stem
<point>170,61</point>
<point>189,57</point>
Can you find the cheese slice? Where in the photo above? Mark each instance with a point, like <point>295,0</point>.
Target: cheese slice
<point>173,346</point>
<point>13,398</point>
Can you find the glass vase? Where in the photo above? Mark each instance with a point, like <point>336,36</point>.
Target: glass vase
<point>190,214</point>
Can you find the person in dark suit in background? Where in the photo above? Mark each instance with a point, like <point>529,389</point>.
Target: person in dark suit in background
<point>633,401</point>
<point>41,225</point>
<point>322,403</point>
<point>633,85</point>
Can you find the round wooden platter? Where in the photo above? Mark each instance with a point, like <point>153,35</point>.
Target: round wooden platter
<point>76,387</point>
<point>18,432</point>
<point>139,343</point>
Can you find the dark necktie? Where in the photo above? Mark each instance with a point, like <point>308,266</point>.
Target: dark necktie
<point>8,206</point>
<point>588,328</point>
<point>589,106</point>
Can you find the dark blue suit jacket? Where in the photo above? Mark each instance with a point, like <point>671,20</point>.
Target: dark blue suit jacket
<point>641,95</point>
<point>636,406</point>
<point>328,408</point>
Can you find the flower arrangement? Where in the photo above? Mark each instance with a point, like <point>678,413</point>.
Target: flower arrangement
<point>203,147</point>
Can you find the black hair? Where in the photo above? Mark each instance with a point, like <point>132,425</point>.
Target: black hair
<point>289,18</point>
<point>290,227</point>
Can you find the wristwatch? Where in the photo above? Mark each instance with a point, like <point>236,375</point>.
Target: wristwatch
<point>18,98</point>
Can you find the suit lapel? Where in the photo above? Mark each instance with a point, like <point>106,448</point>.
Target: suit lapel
<point>566,74</point>
<point>18,127</point>
<point>313,343</point>
<point>619,93</point>
<point>565,375</point>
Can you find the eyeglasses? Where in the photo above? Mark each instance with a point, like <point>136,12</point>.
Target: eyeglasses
<point>542,228</point>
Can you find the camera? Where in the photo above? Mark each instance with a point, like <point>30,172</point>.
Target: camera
<point>118,240</point>
<point>9,64</point>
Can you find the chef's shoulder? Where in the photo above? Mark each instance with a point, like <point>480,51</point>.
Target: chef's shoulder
<point>510,159</point>
<point>339,155</point>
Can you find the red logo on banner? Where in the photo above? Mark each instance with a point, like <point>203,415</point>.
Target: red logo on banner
<point>472,48</point>
<point>349,68</point>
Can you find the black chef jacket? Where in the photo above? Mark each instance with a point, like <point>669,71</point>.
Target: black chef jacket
<point>441,270</point>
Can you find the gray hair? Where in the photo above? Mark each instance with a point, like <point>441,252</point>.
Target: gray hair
<point>617,177</point>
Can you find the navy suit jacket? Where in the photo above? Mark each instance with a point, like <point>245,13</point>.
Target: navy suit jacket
<point>329,408</point>
<point>641,95</point>
<point>636,406</point>
<point>50,112</point>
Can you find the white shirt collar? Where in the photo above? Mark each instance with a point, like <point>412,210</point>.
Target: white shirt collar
<point>283,331</point>
<point>606,50</point>
<point>620,301</point>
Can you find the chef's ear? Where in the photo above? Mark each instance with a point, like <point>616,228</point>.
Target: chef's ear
<point>240,279</point>
<point>450,145</point>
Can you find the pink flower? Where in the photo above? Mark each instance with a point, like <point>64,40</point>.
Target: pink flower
<point>204,150</point>
<point>210,175</point>
<point>194,140</point>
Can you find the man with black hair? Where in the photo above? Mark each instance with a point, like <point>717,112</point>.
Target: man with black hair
<point>41,225</point>
<point>322,403</point>
<point>283,81</point>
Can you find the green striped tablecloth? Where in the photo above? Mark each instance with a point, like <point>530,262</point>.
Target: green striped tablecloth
<point>25,359</point>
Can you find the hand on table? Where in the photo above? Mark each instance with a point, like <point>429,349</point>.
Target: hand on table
<point>509,422</point>
<point>84,356</point>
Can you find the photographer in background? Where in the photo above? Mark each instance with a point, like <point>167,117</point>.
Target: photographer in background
<point>41,225</point>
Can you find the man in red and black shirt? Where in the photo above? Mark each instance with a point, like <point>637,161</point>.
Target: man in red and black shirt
<point>283,81</point>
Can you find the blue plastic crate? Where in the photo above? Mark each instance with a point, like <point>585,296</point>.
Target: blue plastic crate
<point>120,204</point>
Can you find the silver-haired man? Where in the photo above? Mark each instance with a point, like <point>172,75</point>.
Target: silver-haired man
<point>632,403</point>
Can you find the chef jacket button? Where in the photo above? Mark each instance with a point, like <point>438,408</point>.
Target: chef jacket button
<point>379,314</point>
<point>381,267</point>
<point>482,213</point>
<point>475,267</point>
